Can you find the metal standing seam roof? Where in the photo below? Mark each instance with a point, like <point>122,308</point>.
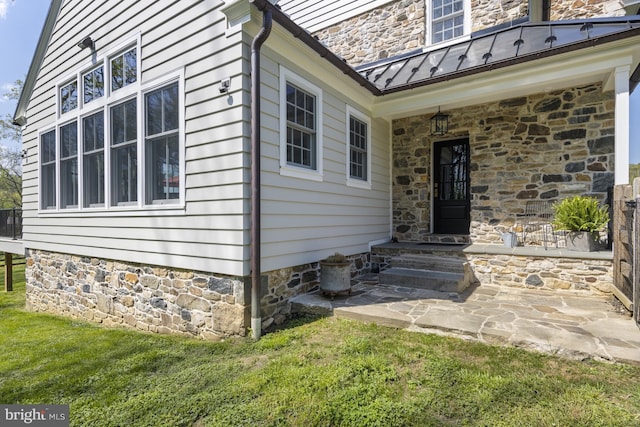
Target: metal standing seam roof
<point>505,47</point>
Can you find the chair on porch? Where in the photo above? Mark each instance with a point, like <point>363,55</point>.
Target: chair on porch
<point>537,227</point>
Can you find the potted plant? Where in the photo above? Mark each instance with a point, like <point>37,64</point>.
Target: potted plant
<point>583,218</point>
<point>335,275</point>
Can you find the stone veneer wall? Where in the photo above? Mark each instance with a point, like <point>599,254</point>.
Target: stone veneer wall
<point>593,276</point>
<point>160,299</point>
<point>400,26</point>
<point>539,147</point>
<point>380,33</point>
<point>578,9</point>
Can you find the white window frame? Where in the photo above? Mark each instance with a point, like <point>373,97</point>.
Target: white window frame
<point>103,104</point>
<point>356,182</point>
<point>467,25</point>
<point>286,169</point>
<point>56,170</point>
<point>147,88</point>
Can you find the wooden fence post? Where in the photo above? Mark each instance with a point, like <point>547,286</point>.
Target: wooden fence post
<point>8,272</point>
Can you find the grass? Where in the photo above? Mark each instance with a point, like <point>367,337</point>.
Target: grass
<point>316,372</point>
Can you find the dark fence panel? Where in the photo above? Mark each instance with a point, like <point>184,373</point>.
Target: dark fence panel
<point>11,223</point>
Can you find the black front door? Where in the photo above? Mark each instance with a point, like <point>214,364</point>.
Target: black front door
<point>451,191</point>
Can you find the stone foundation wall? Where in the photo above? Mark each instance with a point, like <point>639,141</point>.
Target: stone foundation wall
<point>541,147</point>
<point>593,276</point>
<point>289,282</point>
<point>162,300</point>
<point>154,299</point>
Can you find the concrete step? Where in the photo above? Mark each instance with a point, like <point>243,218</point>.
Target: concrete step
<point>442,281</point>
<point>430,262</point>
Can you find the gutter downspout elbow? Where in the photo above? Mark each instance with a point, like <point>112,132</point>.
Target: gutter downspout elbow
<point>258,41</point>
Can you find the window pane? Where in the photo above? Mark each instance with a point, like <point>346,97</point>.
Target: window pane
<point>123,122</point>
<point>124,69</point>
<point>68,140</point>
<point>358,149</point>
<point>68,97</point>
<point>130,67</point>
<point>93,161</point>
<point>154,113</point>
<point>93,85</point>
<point>163,169</point>
<point>93,132</point>
<point>69,166</point>
<point>93,167</point>
<point>124,174</point>
<point>48,170</point>
<point>162,110</point>
<point>301,124</point>
<point>124,161</point>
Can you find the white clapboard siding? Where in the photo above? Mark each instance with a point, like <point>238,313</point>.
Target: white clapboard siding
<point>210,232</point>
<point>305,220</point>
<point>314,15</point>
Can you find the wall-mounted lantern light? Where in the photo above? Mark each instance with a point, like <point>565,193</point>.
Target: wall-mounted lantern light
<point>439,123</point>
<point>86,42</point>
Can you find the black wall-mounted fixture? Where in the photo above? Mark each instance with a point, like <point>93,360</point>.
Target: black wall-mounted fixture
<point>86,42</point>
<point>439,123</point>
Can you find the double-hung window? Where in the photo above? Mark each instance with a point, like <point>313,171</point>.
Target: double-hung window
<point>117,142</point>
<point>358,149</point>
<point>48,170</point>
<point>449,19</point>
<point>162,155</point>
<point>300,127</point>
<point>124,153</point>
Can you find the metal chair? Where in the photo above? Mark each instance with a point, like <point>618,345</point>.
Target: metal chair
<point>538,223</point>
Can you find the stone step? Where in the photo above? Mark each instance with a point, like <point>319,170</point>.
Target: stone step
<point>430,262</point>
<point>442,281</point>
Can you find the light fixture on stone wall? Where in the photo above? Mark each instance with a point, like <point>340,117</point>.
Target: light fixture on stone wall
<point>439,123</point>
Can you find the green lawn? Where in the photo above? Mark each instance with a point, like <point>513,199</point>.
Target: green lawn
<point>318,372</point>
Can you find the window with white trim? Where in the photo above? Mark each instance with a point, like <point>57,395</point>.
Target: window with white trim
<point>358,148</point>
<point>111,147</point>
<point>48,170</point>
<point>449,19</point>
<point>300,127</point>
<point>124,153</point>
<point>162,155</point>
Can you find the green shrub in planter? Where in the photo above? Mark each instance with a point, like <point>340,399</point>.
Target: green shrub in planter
<point>582,217</point>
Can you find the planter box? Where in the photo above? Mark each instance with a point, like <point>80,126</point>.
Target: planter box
<point>582,241</point>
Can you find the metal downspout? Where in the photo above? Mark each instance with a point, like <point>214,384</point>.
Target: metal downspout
<point>259,39</point>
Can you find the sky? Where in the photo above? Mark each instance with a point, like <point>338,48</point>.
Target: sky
<point>21,22</point>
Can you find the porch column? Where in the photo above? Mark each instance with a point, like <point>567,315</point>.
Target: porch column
<point>622,125</point>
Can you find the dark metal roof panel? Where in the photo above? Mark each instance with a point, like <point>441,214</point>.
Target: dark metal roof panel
<point>501,47</point>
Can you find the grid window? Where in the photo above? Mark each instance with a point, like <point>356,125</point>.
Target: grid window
<point>301,127</point>
<point>48,169</point>
<point>93,160</point>
<point>69,97</point>
<point>124,153</point>
<point>162,161</point>
<point>124,69</point>
<point>69,166</point>
<point>358,149</point>
<point>447,20</point>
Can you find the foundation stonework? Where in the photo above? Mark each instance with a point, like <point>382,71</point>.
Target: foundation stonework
<point>540,147</point>
<point>551,271</point>
<point>160,299</point>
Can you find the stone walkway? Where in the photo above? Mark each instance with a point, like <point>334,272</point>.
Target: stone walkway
<point>565,324</point>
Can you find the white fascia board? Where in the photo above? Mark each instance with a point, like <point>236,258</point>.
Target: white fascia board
<point>323,72</point>
<point>544,75</point>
